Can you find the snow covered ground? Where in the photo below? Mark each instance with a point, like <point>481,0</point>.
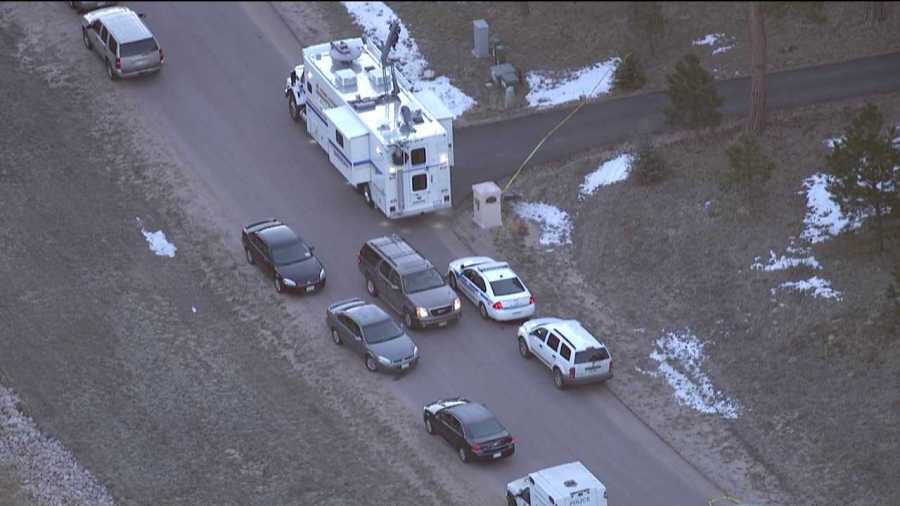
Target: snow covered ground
<point>819,287</point>
<point>158,242</point>
<point>557,228</point>
<point>546,90</point>
<point>609,172</point>
<point>43,466</point>
<point>824,218</point>
<point>374,17</point>
<point>680,358</point>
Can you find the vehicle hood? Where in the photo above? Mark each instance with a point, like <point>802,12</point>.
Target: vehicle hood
<point>303,272</point>
<point>395,349</point>
<point>435,297</point>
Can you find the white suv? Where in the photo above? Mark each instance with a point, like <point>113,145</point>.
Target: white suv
<point>566,348</point>
<point>493,287</point>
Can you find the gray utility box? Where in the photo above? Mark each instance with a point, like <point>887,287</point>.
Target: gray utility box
<point>486,198</point>
<point>480,32</point>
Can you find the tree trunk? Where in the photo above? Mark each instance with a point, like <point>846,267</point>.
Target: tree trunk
<point>525,9</point>
<point>759,82</point>
<point>876,12</point>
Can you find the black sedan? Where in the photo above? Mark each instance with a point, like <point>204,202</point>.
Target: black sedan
<point>470,428</point>
<point>283,256</point>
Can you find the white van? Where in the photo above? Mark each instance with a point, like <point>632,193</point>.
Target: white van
<point>564,485</point>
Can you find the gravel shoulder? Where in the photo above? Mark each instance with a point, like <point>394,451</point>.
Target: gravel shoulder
<point>102,343</point>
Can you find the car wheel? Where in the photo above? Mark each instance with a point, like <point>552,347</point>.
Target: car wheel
<point>523,349</point>
<point>370,287</point>
<point>250,259</point>
<point>86,39</point>
<point>558,379</point>
<point>292,108</point>
<point>407,320</point>
<point>278,286</point>
<point>367,195</point>
<point>371,364</point>
<point>428,427</point>
<point>451,280</point>
<point>109,71</point>
<point>336,337</point>
<point>483,311</point>
<point>463,455</point>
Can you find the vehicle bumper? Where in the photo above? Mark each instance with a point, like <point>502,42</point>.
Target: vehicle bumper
<point>439,321</point>
<point>310,288</point>
<point>489,455</point>
<point>399,368</point>
<point>518,313</point>
<point>422,210</point>
<point>137,73</point>
<point>597,378</point>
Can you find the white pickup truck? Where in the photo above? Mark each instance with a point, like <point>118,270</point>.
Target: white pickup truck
<point>564,485</point>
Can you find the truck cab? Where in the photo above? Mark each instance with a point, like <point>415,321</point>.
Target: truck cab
<point>564,485</point>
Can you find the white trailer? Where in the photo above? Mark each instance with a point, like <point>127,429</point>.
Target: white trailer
<point>564,485</point>
<point>392,144</point>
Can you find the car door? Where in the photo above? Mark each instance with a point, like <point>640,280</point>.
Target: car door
<point>454,432</point>
<point>264,258</point>
<point>536,340</point>
<point>350,333</point>
<point>551,349</point>
<point>98,37</point>
<point>441,426</point>
<point>468,285</point>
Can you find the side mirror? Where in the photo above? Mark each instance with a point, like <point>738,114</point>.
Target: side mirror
<point>141,14</point>
<point>312,249</point>
<point>403,326</point>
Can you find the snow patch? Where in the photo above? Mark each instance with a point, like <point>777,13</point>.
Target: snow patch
<point>819,287</point>
<point>557,228</point>
<point>374,17</point>
<point>609,172</point>
<point>709,40</point>
<point>159,244</point>
<point>46,470</point>
<point>547,91</point>
<point>823,216</point>
<point>776,263</point>
<point>680,358</point>
<point>193,309</point>
<point>723,49</point>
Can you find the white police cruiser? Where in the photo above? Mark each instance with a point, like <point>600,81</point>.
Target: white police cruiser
<point>493,287</point>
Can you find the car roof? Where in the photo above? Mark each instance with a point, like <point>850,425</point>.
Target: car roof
<point>124,24</point>
<point>470,412</point>
<point>575,334</point>
<point>278,235</point>
<point>399,252</point>
<point>367,314</point>
<point>496,271</point>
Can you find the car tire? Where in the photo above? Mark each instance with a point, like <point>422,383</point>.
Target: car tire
<point>86,39</point>
<point>510,500</point>
<point>463,455</point>
<point>367,195</point>
<point>523,349</point>
<point>249,255</point>
<point>483,311</point>
<point>451,280</point>
<point>293,110</point>
<point>336,337</point>
<point>558,379</point>
<point>109,71</point>
<point>428,427</point>
<point>278,286</point>
<point>371,363</point>
<point>370,287</point>
<point>408,321</point>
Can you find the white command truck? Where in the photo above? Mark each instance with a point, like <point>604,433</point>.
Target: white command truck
<point>392,144</point>
<point>564,485</point>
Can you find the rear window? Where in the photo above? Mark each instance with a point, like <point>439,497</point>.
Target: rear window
<point>484,428</point>
<point>507,286</point>
<point>418,156</point>
<point>138,47</point>
<point>591,355</point>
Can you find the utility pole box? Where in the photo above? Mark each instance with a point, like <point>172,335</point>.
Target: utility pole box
<point>480,32</point>
<point>486,198</point>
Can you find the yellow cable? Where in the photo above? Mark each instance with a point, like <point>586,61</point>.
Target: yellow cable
<point>733,499</point>
<point>554,129</point>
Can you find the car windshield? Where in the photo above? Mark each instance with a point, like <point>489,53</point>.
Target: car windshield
<point>291,253</point>
<point>382,331</point>
<point>138,47</point>
<point>591,355</point>
<point>423,280</point>
<point>507,286</point>
<point>484,428</point>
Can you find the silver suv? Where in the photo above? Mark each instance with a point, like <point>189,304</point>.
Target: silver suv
<point>122,41</point>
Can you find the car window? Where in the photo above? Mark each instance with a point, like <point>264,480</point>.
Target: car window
<point>422,280</point>
<point>484,428</point>
<point>394,278</point>
<point>541,333</point>
<point>591,355</point>
<point>290,253</point>
<point>565,352</point>
<point>139,47</point>
<point>113,45</point>
<point>103,33</point>
<point>385,269</point>
<point>350,324</point>
<point>507,286</point>
<point>368,254</point>
<point>96,25</point>
<point>454,423</point>
<point>382,331</point>
<point>553,342</point>
<point>418,156</point>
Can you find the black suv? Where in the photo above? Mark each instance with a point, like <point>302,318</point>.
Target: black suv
<point>407,282</point>
<point>284,256</point>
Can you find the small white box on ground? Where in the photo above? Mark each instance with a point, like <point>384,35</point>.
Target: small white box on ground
<point>486,198</point>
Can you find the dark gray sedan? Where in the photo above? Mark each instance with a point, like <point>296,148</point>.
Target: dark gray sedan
<point>368,330</point>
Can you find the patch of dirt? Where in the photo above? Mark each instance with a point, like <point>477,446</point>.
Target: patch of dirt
<point>816,377</point>
<point>564,36</point>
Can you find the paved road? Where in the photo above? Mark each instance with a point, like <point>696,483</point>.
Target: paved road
<point>219,103</point>
<point>494,151</point>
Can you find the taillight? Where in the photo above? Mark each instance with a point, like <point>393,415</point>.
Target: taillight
<point>359,259</point>
<point>610,364</point>
<point>162,57</point>
<point>498,305</point>
<point>512,440</point>
<point>118,63</point>
<point>531,299</point>
<point>572,372</point>
<point>476,447</point>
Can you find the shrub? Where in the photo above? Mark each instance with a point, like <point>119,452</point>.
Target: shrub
<point>629,75</point>
<point>694,102</point>
<point>748,168</point>
<point>648,166</point>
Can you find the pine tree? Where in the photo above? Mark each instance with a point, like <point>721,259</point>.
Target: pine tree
<point>646,23</point>
<point>648,166</point>
<point>863,165</point>
<point>748,168</point>
<point>629,75</point>
<point>694,100</point>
